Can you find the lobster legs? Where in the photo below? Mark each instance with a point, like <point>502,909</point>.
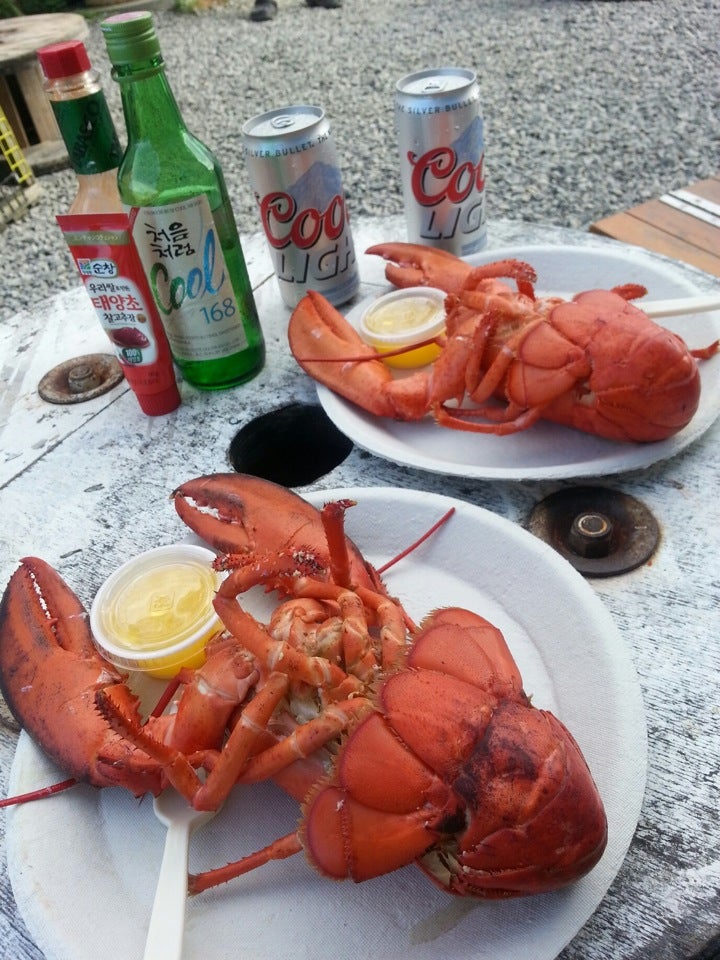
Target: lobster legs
<point>280,665</point>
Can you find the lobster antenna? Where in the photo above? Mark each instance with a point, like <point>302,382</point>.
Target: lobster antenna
<point>333,521</point>
<point>39,794</point>
<point>413,546</point>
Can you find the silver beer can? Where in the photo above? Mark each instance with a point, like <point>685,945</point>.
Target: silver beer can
<point>293,169</point>
<point>440,137</point>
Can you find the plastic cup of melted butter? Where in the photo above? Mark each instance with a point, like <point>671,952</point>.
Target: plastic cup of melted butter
<point>402,318</point>
<point>154,614</point>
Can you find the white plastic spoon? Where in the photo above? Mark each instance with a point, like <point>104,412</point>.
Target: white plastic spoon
<point>167,923</point>
<point>678,306</point>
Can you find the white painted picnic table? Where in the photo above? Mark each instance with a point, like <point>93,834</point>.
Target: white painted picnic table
<point>86,486</point>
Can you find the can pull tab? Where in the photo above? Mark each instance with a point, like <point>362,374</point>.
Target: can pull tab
<point>434,86</point>
<point>283,121</point>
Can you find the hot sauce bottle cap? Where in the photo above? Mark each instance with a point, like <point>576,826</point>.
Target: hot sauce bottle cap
<point>130,37</point>
<point>157,404</point>
<point>64,59</point>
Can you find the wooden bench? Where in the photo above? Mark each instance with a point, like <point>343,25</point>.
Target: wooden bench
<point>682,224</point>
<point>22,97</point>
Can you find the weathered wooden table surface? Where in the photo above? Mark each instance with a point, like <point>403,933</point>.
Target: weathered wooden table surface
<point>86,486</point>
<point>683,224</point>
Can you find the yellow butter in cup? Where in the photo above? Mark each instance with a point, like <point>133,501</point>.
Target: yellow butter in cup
<point>402,318</point>
<point>155,613</point>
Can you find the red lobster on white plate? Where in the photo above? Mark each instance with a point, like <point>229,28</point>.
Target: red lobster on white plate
<point>402,743</point>
<point>596,363</point>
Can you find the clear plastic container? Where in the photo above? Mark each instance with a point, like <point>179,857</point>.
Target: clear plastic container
<point>155,613</point>
<point>402,318</point>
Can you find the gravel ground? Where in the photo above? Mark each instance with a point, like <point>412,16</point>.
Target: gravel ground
<point>590,106</point>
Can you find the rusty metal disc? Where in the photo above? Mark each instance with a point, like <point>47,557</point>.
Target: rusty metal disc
<point>81,378</point>
<point>601,532</point>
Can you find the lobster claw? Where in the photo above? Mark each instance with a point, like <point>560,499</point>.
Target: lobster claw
<point>331,351</point>
<point>50,673</point>
<point>414,265</point>
<point>418,266</point>
<point>241,514</point>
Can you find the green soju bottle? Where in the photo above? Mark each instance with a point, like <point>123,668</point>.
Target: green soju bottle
<point>183,225</point>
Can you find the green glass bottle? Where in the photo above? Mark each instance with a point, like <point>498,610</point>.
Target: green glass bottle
<point>183,224</point>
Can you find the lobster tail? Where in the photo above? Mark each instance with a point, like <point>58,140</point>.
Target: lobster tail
<point>459,772</point>
<point>536,822</point>
<point>644,384</point>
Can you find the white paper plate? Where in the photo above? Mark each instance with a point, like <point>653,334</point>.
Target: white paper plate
<point>83,864</point>
<point>546,450</point>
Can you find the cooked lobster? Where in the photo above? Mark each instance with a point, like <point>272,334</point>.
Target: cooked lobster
<point>402,744</point>
<point>596,363</point>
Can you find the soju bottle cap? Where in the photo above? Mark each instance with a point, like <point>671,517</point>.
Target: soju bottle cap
<point>130,37</point>
<point>64,59</point>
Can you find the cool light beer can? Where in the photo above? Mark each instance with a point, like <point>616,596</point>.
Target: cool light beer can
<point>440,137</point>
<point>294,173</point>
